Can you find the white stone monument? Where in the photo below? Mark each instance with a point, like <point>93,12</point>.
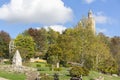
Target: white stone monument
<point>17,60</point>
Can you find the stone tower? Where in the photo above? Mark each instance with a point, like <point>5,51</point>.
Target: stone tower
<point>91,21</point>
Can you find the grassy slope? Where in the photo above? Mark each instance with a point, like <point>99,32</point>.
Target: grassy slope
<point>94,74</point>
<point>64,74</point>
<point>12,76</point>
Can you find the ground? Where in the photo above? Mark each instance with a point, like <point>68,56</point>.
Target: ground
<point>45,69</point>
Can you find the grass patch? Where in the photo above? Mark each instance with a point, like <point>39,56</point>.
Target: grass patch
<point>94,75</point>
<point>12,76</point>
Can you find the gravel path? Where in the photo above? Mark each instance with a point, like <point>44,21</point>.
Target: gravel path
<point>3,78</point>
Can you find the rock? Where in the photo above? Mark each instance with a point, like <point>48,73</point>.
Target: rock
<point>99,78</point>
<point>115,75</point>
<point>17,60</point>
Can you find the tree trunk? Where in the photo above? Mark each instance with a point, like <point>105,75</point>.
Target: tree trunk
<point>58,65</point>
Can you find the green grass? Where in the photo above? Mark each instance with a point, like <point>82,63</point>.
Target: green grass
<point>94,75</point>
<point>64,73</point>
<point>12,76</point>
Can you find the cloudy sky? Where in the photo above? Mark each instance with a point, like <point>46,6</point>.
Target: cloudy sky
<point>19,15</point>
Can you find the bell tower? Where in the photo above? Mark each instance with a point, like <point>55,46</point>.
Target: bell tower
<point>90,14</point>
<point>91,21</point>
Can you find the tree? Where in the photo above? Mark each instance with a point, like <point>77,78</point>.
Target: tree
<point>4,44</point>
<point>77,71</point>
<point>40,38</point>
<point>115,49</point>
<point>54,55</point>
<point>26,46</point>
<point>52,36</point>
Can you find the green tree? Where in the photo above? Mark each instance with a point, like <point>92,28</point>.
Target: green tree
<point>77,71</point>
<point>52,36</point>
<point>115,49</point>
<point>26,46</point>
<point>54,55</point>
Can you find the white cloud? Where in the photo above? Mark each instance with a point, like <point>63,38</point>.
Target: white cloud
<point>36,11</point>
<point>103,30</point>
<point>89,1</point>
<point>101,18</point>
<point>58,28</point>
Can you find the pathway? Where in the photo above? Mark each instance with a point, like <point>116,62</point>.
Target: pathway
<point>3,78</point>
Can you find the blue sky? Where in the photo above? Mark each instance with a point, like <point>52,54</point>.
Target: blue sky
<point>19,15</point>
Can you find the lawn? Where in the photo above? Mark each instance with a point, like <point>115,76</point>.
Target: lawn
<point>64,73</point>
<point>12,76</point>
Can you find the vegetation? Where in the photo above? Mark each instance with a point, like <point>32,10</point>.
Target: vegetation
<point>4,44</point>
<point>78,45</point>
<point>64,73</point>
<point>26,46</point>
<point>77,71</point>
<point>12,76</point>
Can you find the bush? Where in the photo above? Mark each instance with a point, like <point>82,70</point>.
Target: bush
<point>42,69</point>
<point>7,62</point>
<point>47,65</point>
<point>108,67</point>
<point>77,71</point>
<point>57,69</point>
<point>45,77</point>
<point>38,65</point>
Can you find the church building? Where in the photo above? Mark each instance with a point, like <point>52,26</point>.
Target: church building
<point>91,21</point>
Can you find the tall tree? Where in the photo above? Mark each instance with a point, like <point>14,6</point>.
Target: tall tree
<point>54,55</point>
<point>26,46</point>
<point>115,49</point>
<point>52,36</point>
<point>4,44</point>
<point>40,38</point>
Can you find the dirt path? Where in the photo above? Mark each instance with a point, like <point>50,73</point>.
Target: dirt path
<point>3,78</point>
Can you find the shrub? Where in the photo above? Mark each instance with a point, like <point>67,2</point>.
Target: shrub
<point>108,67</point>
<point>38,65</point>
<point>47,65</point>
<point>77,71</point>
<point>57,69</point>
<point>42,69</point>
<point>7,62</point>
<point>45,77</point>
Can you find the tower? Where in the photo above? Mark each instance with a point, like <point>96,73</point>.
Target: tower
<point>91,22</point>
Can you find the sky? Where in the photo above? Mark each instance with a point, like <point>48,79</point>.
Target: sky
<point>16,16</point>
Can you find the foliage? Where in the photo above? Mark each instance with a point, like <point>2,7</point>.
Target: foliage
<point>53,54</point>
<point>108,66</point>
<point>26,46</point>
<point>4,44</point>
<point>77,71</point>
<point>38,65</point>
<point>115,50</point>
<point>45,77</point>
<point>7,62</point>
<point>57,69</point>
<point>40,38</point>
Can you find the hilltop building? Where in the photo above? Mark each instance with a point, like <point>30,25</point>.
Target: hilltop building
<point>91,21</point>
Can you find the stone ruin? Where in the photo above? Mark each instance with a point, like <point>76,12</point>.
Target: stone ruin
<point>17,60</point>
